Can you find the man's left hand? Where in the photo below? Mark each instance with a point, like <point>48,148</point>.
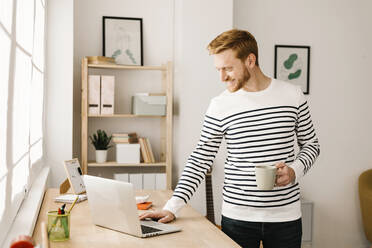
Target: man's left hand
<point>284,174</point>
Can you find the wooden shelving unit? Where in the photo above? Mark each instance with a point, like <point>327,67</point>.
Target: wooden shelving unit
<point>125,116</point>
<point>115,164</point>
<point>166,121</point>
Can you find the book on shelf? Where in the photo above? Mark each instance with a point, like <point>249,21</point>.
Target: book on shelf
<point>151,153</point>
<point>126,138</point>
<point>124,135</point>
<point>142,157</point>
<point>123,140</point>
<point>146,151</point>
<point>143,151</point>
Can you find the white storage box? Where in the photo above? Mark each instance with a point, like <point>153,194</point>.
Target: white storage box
<point>147,104</point>
<point>128,153</point>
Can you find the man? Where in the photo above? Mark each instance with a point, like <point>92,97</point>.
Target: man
<point>260,119</point>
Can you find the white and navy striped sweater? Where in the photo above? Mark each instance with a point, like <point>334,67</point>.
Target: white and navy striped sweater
<point>259,128</point>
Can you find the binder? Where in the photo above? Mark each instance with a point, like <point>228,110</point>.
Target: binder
<point>107,94</point>
<point>121,177</point>
<point>94,95</point>
<point>149,181</point>
<point>136,180</point>
<point>160,181</point>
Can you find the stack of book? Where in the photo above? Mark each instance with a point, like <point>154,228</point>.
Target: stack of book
<point>125,138</point>
<point>146,150</point>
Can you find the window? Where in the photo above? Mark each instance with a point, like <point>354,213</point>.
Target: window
<point>22,24</point>
<point>4,78</point>
<point>6,10</point>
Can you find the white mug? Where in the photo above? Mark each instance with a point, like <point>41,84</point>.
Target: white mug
<point>265,176</point>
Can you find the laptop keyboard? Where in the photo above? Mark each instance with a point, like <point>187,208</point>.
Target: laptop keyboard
<point>147,229</point>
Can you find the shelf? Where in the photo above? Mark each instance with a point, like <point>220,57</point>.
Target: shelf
<point>127,116</point>
<point>166,121</point>
<point>128,67</point>
<point>115,164</point>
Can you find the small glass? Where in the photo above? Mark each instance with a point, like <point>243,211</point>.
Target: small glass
<point>58,226</point>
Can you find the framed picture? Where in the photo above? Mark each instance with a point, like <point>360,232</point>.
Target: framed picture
<point>122,39</point>
<point>292,64</point>
<point>74,176</point>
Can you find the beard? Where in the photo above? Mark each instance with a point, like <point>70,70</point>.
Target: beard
<point>234,84</point>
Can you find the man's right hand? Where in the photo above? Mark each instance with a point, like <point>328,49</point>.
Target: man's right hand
<point>163,216</point>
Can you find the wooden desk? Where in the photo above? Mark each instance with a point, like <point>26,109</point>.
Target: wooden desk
<point>197,231</point>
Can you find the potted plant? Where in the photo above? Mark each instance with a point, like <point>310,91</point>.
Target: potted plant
<point>101,142</point>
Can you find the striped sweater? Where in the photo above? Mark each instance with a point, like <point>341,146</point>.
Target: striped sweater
<point>259,128</point>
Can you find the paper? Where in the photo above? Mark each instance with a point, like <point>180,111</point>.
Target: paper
<point>70,198</point>
<point>142,199</point>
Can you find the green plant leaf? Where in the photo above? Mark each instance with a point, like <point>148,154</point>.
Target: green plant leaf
<point>100,140</point>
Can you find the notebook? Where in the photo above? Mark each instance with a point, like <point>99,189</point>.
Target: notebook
<point>112,205</point>
<point>70,198</point>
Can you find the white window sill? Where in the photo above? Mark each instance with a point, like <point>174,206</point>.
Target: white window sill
<point>25,220</point>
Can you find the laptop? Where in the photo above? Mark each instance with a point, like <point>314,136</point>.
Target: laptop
<point>112,205</point>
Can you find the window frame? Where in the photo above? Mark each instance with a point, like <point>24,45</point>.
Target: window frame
<point>33,189</point>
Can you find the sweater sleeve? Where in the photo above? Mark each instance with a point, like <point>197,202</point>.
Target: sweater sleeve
<point>307,140</point>
<point>198,163</point>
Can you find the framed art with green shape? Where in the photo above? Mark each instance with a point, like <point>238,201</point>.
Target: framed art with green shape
<point>292,64</point>
<point>122,39</point>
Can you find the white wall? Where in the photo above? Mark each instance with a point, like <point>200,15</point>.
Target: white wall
<point>173,30</point>
<point>338,34</point>
<point>158,36</point>
<point>59,87</point>
<point>340,85</point>
<point>196,82</point>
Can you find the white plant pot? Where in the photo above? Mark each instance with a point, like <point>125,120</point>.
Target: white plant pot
<point>101,156</point>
